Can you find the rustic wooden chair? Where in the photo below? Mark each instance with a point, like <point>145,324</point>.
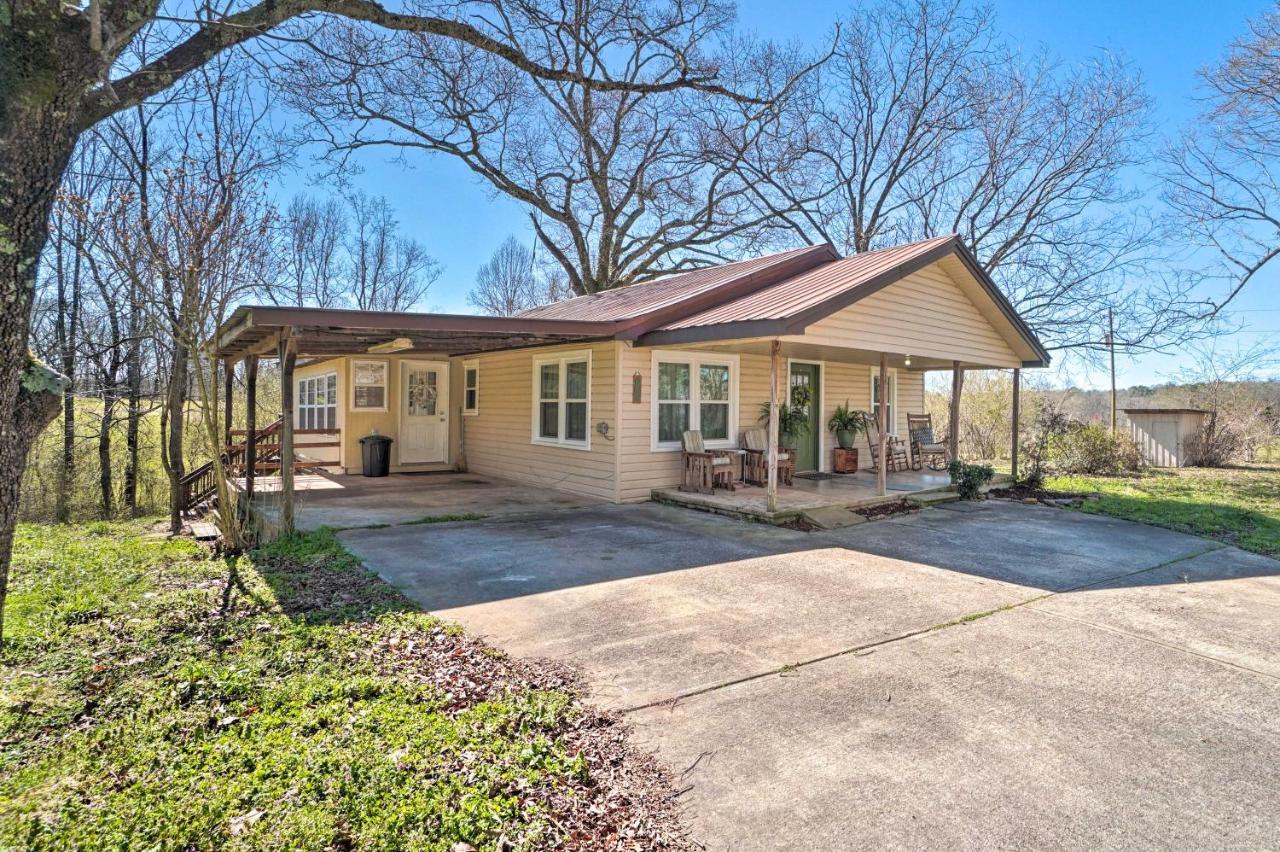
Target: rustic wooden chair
<point>757,460</point>
<point>925,448</point>
<point>704,470</point>
<point>895,451</point>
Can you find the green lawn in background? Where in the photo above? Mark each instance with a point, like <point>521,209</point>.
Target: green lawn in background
<point>1238,506</point>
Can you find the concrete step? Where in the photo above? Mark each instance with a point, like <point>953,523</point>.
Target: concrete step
<point>933,498</point>
<point>832,517</point>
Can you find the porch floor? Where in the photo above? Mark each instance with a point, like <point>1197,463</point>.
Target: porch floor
<point>347,500</point>
<point>842,490</point>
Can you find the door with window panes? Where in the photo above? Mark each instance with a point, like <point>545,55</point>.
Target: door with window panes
<point>424,413</point>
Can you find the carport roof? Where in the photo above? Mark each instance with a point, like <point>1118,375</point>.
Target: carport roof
<point>322,332</point>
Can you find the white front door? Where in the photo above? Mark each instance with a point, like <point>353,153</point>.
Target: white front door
<point>424,412</point>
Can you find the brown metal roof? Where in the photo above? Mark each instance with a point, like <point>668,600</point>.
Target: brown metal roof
<point>681,290</point>
<point>1165,411</point>
<point>815,287</point>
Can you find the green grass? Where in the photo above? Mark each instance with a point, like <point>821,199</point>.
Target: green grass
<point>1239,506</point>
<point>445,519</point>
<point>152,697</point>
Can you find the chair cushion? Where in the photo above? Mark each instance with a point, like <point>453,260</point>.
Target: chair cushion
<point>933,448</point>
<point>784,456</point>
<point>721,460</point>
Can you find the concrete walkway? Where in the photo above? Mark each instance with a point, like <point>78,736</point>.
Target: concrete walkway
<point>978,675</point>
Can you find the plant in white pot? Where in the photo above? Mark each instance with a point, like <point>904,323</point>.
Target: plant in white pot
<point>847,424</point>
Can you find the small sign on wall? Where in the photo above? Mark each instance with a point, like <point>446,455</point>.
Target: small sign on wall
<point>636,387</point>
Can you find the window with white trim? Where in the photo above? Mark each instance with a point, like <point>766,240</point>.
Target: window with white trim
<point>470,387</point>
<point>317,402</point>
<point>561,388</point>
<point>369,385</point>
<point>694,392</point>
<point>892,398</point>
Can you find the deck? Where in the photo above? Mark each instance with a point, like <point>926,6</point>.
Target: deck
<point>851,491</point>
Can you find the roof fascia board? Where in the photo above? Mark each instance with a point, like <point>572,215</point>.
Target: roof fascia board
<point>391,321</point>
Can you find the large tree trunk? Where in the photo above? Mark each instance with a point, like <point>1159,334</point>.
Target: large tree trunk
<point>37,137</point>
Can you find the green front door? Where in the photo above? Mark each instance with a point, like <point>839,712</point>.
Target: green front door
<point>804,393</point>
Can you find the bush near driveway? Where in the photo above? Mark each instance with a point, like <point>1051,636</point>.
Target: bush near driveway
<point>1239,506</point>
<point>152,697</point>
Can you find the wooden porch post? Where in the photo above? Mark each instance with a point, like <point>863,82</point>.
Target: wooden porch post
<point>882,424</point>
<point>775,358</point>
<point>250,422</point>
<point>288,355</point>
<point>229,367</point>
<point>1017,401</point>
<point>957,385</point>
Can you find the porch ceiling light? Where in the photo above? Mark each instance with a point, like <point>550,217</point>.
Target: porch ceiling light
<point>906,362</point>
<point>397,345</point>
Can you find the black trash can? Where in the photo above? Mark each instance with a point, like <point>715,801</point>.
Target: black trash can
<point>375,455</point>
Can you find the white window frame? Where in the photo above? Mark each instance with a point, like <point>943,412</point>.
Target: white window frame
<point>300,396</point>
<point>386,384</point>
<point>468,366</point>
<point>893,403</point>
<point>695,360</point>
<point>562,360</point>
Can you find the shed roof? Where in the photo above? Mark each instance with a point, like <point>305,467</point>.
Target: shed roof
<point>1165,411</point>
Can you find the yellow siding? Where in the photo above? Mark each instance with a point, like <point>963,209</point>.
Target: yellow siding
<point>498,439</point>
<point>356,424</point>
<point>642,469</point>
<point>925,314</point>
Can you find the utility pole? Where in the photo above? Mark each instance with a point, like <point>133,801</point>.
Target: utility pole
<point>1111,344</point>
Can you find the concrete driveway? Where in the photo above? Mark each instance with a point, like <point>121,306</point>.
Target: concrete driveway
<point>976,676</point>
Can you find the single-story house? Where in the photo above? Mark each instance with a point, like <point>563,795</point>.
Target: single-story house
<point>591,394</point>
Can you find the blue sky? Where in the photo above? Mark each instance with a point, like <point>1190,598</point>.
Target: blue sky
<point>461,221</point>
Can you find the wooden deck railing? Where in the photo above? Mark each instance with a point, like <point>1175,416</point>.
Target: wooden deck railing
<point>201,483</point>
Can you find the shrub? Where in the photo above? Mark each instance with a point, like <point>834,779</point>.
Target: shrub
<point>1090,448</point>
<point>969,478</point>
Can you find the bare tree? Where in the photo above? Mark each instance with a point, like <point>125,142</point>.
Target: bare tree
<point>1224,175</point>
<point>388,272</point>
<point>620,185</point>
<point>314,232</point>
<point>508,282</point>
<point>926,123</point>
<point>66,67</point>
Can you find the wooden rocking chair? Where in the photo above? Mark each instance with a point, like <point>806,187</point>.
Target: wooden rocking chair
<point>896,458</point>
<point>757,460</point>
<point>703,470</point>
<point>925,448</point>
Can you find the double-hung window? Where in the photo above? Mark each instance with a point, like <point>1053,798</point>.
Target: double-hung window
<point>694,392</point>
<point>369,385</point>
<point>891,397</point>
<point>470,387</point>
<point>561,386</point>
<point>318,402</point>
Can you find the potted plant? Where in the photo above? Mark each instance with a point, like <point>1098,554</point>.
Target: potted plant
<point>847,423</point>
<point>793,419</point>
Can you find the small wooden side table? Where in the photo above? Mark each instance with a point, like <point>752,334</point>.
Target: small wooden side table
<point>846,461</point>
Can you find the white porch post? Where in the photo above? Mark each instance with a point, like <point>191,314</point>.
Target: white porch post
<point>288,356</point>
<point>957,385</point>
<point>775,360</point>
<point>882,424</point>
<point>1017,394</point>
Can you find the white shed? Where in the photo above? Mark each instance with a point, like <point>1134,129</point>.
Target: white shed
<point>1164,435</point>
